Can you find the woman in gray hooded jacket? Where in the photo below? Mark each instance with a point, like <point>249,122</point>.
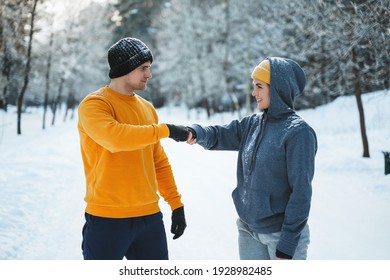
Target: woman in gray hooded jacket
<point>275,166</point>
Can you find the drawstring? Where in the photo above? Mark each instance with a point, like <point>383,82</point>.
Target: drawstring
<point>262,123</point>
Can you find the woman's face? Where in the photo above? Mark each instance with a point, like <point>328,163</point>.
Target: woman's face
<point>261,93</point>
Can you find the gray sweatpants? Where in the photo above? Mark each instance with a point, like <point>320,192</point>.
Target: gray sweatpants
<point>262,246</point>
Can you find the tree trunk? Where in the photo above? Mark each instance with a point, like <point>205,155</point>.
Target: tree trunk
<point>46,100</point>
<point>7,63</point>
<point>6,77</point>
<point>358,94</point>
<point>57,101</point>
<point>248,80</point>
<point>357,85</point>
<point>27,72</point>
<point>70,104</point>
<point>226,70</point>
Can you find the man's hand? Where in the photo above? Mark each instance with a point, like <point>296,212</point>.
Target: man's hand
<point>178,222</point>
<point>178,133</point>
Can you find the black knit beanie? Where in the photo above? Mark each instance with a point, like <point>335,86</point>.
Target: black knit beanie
<point>126,55</point>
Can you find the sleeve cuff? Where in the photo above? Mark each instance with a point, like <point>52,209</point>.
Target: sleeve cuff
<point>282,255</point>
<point>164,130</point>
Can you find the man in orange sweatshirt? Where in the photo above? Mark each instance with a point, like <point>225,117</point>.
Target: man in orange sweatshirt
<point>126,168</point>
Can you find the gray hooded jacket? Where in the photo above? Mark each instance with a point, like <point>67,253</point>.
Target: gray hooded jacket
<point>276,156</point>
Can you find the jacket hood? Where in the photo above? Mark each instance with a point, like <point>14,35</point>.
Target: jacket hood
<point>287,81</point>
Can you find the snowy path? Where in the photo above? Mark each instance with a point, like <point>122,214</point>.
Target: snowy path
<point>42,189</point>
<point>41,185</point>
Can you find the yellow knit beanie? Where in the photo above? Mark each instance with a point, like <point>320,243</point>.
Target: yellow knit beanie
<point>262,72</point>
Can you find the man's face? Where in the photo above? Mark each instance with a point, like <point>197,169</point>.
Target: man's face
<point>138,78</point>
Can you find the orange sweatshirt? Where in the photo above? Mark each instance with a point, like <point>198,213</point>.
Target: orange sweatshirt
<point>124,163</point>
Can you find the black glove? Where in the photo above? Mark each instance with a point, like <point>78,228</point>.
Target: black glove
<point>178,132</point>
<point>282,255</point>
<point>178,222</point>
<point>190,129</point>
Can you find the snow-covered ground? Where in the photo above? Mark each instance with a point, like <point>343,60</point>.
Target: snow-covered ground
<point>42,187</point>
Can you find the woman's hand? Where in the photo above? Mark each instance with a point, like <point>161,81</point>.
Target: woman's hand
<point>191,140</point>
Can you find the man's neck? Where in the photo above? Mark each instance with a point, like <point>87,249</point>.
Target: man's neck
<point>118,87</point>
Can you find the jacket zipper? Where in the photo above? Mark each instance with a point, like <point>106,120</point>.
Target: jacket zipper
<point>253,159</point>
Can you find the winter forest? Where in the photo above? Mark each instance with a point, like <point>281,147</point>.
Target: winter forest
<point>53,52</point>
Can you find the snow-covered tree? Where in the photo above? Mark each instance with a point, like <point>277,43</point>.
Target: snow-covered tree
<point>26,75</point>
<point>217,44</point>
<point>134,19</point>
<point>14,17</point>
